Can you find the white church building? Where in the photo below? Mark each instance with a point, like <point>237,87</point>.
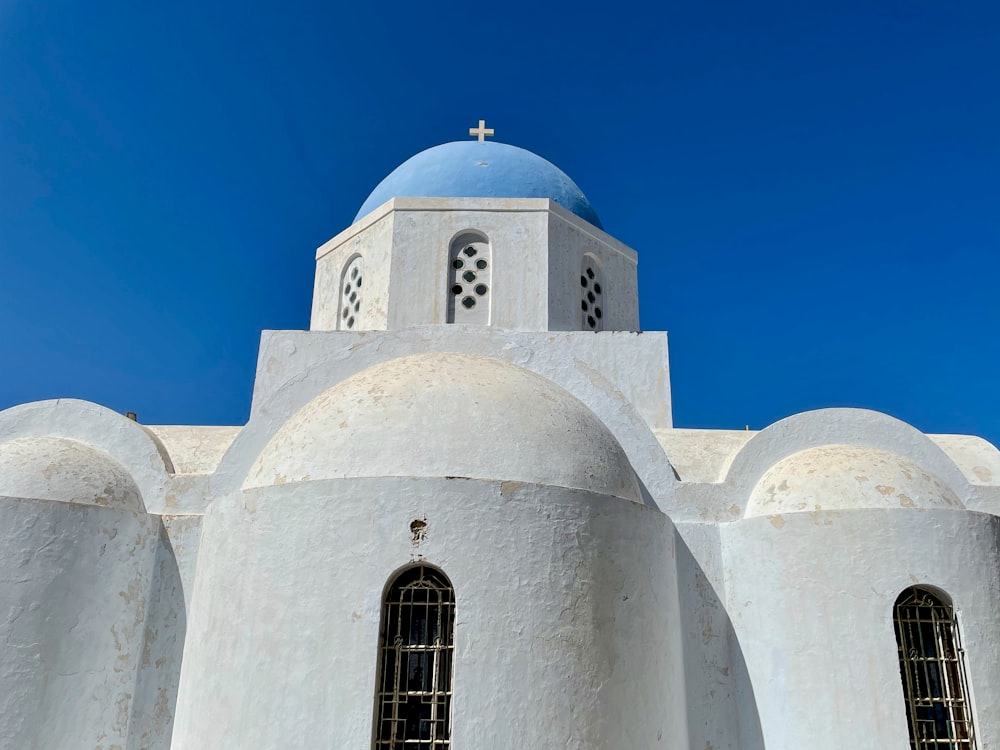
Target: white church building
<point>460,516</point>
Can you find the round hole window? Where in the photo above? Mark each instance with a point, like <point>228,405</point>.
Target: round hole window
<point>354,272</point>
<point>350,322</point>
<point>481,264</point>
<point>597,287</point>
<point>358,282</point>
<point>481,289</point>
<point>591,322</point>
<point>457,289</point>
<point>458,263</point>
<point>597,313</point>
<point>583,281</point>
<point>583,305</point>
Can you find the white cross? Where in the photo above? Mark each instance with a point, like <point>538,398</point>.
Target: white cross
<point>482,131</point>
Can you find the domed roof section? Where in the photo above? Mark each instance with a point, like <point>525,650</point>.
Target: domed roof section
<point>447,415</point>
<point>843,477</point>
<point>480,169</point>
<point>68,471</point>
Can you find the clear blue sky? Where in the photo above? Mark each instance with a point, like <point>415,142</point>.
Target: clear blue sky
<point>812,187</point>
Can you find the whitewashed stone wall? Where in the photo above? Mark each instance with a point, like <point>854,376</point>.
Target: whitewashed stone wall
<point>563,636</point>
<point>811,597</point>
<point>74,593</point>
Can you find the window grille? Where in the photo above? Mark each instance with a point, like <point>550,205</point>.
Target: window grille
<point>932,667</point>
<point>350,294</point>
<point>417,648</point>
<point>469,279</point>
<point>591,295</point>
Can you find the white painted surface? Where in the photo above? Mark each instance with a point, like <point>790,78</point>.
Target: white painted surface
<point>712,663</point>
<point>43,468</point>
<point>139,453</point>
<point>811,598</point>
<point>447,415</point>
<point>846,477</point>
<point>567,622</point>
<point>159,668</point>
<point>73,593</point>
<point>194,450</point>
<point>370,240</point>
<point>600,370</point>
<point>702,456</point>
<point>978,459</point>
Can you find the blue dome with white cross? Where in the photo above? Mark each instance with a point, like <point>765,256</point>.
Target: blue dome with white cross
<point>480,169</point>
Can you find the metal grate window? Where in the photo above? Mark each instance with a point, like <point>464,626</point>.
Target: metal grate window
<point>932,666</point>
<point>415,673</point>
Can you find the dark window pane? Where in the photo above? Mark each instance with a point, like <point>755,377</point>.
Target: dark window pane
<point>414,700</point>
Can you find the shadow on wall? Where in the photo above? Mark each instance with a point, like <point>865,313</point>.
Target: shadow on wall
<point>152,721</point>
<point>721,707</point>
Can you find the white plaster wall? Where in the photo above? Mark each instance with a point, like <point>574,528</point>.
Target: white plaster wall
<point>621,377</point>
<point>139,453</point>
<point>372,239</point>
<point>569,239</point>
<point>811,598</point>
<point>701,456</point>
<point>69,471</point>
<point>194,449</point>
<point>720,471</point>
<point>567,616</point>
<point>447,415</point>
<point>713,662</point>
<point>828,427</point>
<point>195,452</point>
<point>151,725</point>
<point>635,366</point>
<point>73,594</point>
<point>846,477</point>
<point>421,241</point>
<point>978,459</point>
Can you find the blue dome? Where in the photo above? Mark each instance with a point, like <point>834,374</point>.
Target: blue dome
<point>480,169</point>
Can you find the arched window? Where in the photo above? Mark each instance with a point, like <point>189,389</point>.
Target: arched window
<point>591,295</point>
<point>350,294</point>
<point>413,699</point>
<point>469,279</point>
<point>932,666</point>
